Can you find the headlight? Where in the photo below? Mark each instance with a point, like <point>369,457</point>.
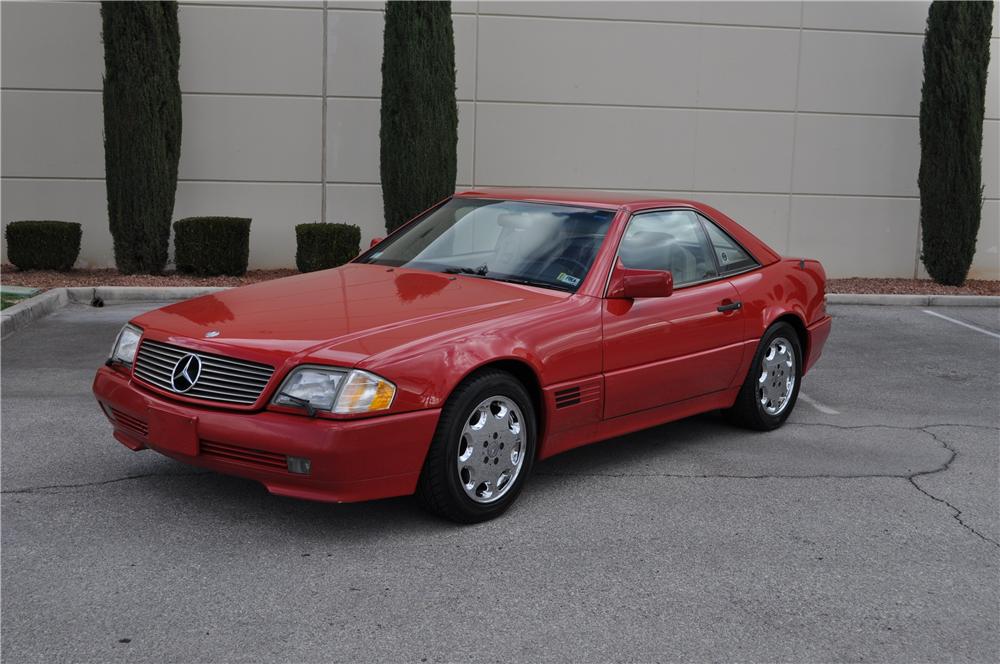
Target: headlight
<point>310,386</point>
<point>126,345</point>
<point>335,390</point>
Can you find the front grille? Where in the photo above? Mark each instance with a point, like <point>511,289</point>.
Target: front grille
<point>244,455</point>
<point>130,423</point>
<point>221,379</point>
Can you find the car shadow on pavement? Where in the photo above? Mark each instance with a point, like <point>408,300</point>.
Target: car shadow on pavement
<point>636,452</point>
<point>214,497</point>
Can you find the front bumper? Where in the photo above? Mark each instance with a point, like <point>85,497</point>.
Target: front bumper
<point>350,460</point>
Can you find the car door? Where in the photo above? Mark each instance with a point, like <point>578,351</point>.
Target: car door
<point>662,350</point>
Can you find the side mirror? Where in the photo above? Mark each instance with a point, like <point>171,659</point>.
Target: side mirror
<point>628,284</point>
<point>375,240</point>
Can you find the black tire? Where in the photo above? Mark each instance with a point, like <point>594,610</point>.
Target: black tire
<point>748,411</point>
<point>439,489</point>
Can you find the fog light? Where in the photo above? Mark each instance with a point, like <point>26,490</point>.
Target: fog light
<point>299,465</point>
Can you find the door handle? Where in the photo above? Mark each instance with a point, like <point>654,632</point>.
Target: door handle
<point>731,306</point>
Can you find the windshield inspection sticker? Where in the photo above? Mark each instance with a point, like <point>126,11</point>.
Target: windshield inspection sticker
<point>568,279</point>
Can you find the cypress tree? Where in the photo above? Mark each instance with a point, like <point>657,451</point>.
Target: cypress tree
<point>419,132</point>
<point>142,129</point>
<point>956,56</point>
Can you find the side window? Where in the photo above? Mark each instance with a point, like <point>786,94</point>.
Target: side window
<point>671,240</point>
<point>731,256</point>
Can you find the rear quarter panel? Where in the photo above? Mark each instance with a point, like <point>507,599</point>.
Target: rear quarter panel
<point>788,287</point>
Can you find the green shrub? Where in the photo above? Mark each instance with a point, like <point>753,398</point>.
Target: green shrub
<point>956,58</point>
<point>322,246</point>
<point>419,131</point>
<point>211,246</point>
<point>142,129</point>
<point>43,245</point>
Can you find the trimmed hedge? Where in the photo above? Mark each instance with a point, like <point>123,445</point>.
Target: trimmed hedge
<point>322,246</point>
<point>43,245</point>
<point>210,246</point>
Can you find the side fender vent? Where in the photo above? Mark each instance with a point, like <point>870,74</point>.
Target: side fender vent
<point>568,397</point>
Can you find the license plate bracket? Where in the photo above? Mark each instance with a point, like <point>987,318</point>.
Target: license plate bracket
<point>173,432</point>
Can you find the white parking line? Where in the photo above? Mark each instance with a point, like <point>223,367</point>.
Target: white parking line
<point>958,322</point>
<point>817,405</point>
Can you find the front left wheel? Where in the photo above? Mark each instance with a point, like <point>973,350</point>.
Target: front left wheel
<point>482,451</point>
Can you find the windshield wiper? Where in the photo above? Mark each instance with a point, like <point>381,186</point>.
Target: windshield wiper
<point>480,271</point>
<point>533,282</point>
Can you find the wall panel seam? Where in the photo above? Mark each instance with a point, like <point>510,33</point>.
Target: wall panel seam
<point>652,192</point>
<point>505,102</point>
<point>199,3</point>
<point>241,5</point>
<point>750,26</point>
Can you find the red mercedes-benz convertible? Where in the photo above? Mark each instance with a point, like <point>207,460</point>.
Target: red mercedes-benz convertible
<point>494,330</point>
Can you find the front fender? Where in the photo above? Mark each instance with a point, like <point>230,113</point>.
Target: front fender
<point>558,343</point>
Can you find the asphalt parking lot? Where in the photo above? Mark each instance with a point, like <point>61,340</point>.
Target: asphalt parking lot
<point>868,528</point>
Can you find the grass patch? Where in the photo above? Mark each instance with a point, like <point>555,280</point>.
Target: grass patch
<point>9,300</point>
<point>10,297</point>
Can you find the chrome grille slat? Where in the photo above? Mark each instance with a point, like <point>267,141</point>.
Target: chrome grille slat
<point>208,368</point>
<point>216,397</point>
<point>226,371</point>
<point>166,366</point>
<point>161,353</point>
<point>223,389</point>
<point>154,377</point>
<point>239,364</point>
<point>159,366</point>
<point>212,395</point>
<point>176,353</point>
<point>222,379</point>
<point>232,366</point>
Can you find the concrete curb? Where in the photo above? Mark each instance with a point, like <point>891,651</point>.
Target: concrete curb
<point>915,300</point>
<point>24,313</point>
<point>114,294</point>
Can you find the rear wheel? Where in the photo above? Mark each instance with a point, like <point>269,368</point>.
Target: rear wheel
<point>771,387</point>
<point>482,450</point>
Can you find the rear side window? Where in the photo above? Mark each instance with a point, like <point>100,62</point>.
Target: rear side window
<point>730,256</point>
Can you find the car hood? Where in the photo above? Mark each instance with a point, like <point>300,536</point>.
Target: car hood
<point>353,311</point>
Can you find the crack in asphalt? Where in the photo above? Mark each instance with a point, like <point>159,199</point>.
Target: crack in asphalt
<point>957,513</point>
<point>53,488</point>
<point>909,477</point>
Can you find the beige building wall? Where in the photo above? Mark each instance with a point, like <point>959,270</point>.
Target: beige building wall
<point>797,119</point>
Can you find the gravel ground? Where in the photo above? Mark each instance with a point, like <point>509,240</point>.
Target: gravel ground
<point>911,287</point>
<point>11,276</point>
<point>45,279</point>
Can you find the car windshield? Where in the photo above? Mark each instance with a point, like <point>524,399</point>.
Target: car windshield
<point>539,244</point>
